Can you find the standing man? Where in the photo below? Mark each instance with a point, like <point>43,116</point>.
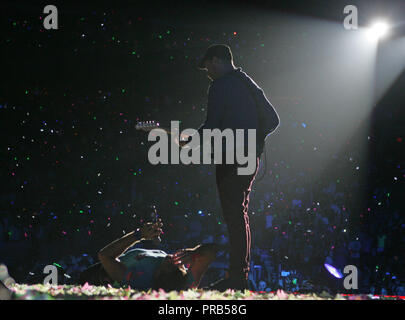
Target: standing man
<point>232,104</point>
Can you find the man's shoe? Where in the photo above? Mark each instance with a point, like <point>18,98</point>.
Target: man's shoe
<point>240,284</point>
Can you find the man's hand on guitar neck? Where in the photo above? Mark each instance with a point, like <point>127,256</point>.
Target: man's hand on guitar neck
<point>184,140</point>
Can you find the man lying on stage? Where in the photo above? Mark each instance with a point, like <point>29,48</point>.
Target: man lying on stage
<point>143,269</point>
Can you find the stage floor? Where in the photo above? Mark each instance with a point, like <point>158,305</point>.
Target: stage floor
<point>88,292</point>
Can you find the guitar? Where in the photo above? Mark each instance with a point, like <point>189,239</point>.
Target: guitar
<point>184,138</point>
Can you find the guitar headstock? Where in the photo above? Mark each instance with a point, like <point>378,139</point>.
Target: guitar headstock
<point>147,125</point>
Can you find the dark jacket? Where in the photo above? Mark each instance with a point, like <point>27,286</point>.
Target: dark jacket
<point>231,104</point>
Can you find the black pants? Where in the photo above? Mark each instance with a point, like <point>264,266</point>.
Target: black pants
<point>234,193</point>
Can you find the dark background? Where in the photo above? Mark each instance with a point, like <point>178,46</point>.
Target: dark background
<point>75,173</point>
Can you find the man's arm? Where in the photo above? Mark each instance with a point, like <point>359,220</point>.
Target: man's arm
<point>215,107</point>
<point>108,256</point>
<point>215,110</point>
<point>119,246</point>
<point>199,258</point>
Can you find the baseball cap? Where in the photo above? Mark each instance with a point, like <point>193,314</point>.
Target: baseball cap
<point>221,51</point>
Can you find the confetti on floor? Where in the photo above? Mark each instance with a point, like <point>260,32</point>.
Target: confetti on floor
<point>89,292</point>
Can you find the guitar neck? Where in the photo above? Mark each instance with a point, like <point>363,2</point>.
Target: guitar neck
<point>152,125</point>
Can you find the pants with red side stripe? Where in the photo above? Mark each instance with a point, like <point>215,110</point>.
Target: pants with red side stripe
<point>234,193</point>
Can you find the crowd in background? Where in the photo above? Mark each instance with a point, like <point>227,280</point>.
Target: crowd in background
<point>297,224</point>
<point>76,173</point>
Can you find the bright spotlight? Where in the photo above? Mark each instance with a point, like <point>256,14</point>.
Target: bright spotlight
<point>378,30</point>
<point>333,271</point>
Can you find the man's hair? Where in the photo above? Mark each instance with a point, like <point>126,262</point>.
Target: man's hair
<point>221,51</point>
<point>170,278</point>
